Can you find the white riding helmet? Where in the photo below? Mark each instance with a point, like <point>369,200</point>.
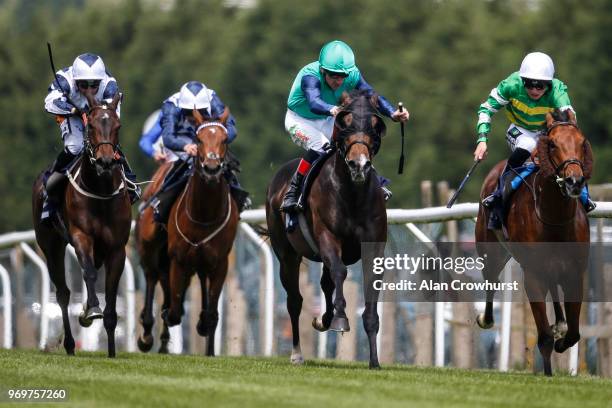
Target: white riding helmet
<point>88,66</point>
<point>194,95</point>
<point>537,65</point>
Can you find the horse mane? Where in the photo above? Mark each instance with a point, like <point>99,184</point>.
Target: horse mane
<point>546,166</point>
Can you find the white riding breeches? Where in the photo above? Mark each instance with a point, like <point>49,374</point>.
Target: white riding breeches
<point>309,133</point>
<point>518,137</point>
<point>72,134</point>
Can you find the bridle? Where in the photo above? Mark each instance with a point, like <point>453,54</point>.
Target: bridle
<point>89,147</point>
<point>560,168</point>
<point>210,155</point>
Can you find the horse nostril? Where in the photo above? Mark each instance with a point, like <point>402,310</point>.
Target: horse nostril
<point>352,164</point>
<point>367,165</point>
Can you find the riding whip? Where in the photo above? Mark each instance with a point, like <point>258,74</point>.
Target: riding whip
<point>465,179</point>
<point>57,82</point>
<point>400,169</point>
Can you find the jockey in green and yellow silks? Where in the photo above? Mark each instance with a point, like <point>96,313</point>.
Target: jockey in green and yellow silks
<point>527,96</point>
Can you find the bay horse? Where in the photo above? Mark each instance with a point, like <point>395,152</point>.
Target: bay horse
<point>95,218</point>
<point>344,209</point>
<point>545,209</point>
<point>200,233</point>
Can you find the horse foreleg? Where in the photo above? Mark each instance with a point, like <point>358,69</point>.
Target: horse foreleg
<point>545,336</point>
<point>83,247</point>
<point>572,335</point>
<point>485,320</point>
<point>331,256</point>
<point>216,280</point>
<point>55,263</point>
<point>559,329</point>
<point>114,268</point>
<point>289,276</point>
<point>327,285</point>
<point>179,279</point>
<point>201,326</point>
<point>164,280</point>
<point>145,342</point>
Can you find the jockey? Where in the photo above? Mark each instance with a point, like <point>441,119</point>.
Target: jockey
<point>178,133</point>
<point>151,141</point>
<point>528,96</point>
<point>86,76</point>
<point>312,109</point>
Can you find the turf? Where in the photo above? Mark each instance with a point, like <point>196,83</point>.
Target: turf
<point>151,380</point>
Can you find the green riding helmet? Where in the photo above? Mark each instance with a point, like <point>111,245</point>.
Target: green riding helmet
<point>337,56</point>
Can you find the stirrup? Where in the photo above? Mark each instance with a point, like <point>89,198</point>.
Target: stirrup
<point>386,192</point>
<point>590,205</point>
<point>489,201</point>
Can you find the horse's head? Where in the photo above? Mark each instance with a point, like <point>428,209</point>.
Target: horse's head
<point>358,133</point>
<point>211,138</point>
<point>101,141</point>
<point>565,153</point>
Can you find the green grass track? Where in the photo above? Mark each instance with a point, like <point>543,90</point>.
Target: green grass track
<point>151,380</point>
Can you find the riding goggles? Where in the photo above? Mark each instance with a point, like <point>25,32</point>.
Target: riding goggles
<point>535,83</point>
<point>336,75</point>
<point>88,83</point>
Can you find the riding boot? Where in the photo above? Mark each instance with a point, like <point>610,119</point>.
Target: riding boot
<point>238,193</point>
<point>173,184</point>
<point>134,190</point>
<point>291,201</point>
<point>53,182</point>
<point>588,204</point>
<point>384,186</point>
<point>497,201</point>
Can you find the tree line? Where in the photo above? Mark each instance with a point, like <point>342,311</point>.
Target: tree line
<point>441,58</point>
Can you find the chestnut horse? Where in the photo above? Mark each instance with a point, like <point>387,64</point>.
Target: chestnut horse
<point>95,219</point>
<point>345,208</point>
<point>200,233</point>
<point>545,209</point>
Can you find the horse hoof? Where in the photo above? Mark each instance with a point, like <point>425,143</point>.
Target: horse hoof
<point>374,366</point>
<point>482,323</point>
<point>297,359</point>
<point>340,324</point>
<point>559,330</point>
<point>87,316</point>
<point>163,349</point>
<point>145,343</point>
<point>318,325</point>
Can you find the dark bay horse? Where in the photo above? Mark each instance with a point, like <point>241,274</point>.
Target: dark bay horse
<point>96,218</point>
<point>200,233</point>
<point>345,208</point>
<point>545,211</point>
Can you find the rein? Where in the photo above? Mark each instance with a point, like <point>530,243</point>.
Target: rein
<point>214,233</point>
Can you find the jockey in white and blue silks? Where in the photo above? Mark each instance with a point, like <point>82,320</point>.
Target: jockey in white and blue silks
<point>311,109</point>
<point>87,75</point>
<point>178,132</point>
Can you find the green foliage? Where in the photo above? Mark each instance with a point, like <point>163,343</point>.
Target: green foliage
<point>441,58</point>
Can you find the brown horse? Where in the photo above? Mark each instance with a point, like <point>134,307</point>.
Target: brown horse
<point>545,210</point>
<point>200,234</point>
<point>95,219</point>
<point>344,209</point>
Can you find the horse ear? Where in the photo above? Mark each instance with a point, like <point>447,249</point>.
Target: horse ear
<point>345,99</point>
<point>549,120</point>
<point>116,99</point>
<point>224,116</point>
<point>198,117</point>
<point>571,116</point>
<point>379,125</point>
